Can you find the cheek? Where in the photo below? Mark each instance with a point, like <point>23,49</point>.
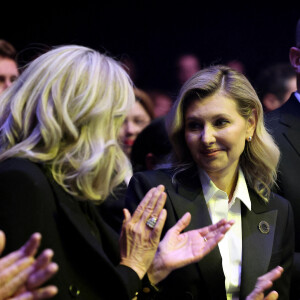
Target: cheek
<point>140,127</point>
<point>237,142</point>
<point>122,132</point>
<point>191,141</point>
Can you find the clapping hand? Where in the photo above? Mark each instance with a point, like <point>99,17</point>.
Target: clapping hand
<point>139,241</point>
<point>265,282</point>
<point>180,249</point>
<point>21,275</point>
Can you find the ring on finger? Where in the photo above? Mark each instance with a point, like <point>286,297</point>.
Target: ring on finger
<point>151,222</point>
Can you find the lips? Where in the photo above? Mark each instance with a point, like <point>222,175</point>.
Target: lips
<point>128,142</point>
<point>210,152</point>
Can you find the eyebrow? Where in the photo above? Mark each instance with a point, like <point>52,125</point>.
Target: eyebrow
<point>195,117</point>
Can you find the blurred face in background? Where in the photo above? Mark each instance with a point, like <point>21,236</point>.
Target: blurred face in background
<point>137,119</point>
<point>187,66</point>
<point>8,73</point>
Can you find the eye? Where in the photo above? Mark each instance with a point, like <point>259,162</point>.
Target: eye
<point>194,125</point>
<point>140,122</point>
<point>221,122</point>
<point>14,78</point>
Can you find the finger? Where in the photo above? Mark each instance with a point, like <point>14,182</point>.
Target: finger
<point>272,296</point>
<point>14,270</point>
<point>157,230</point>
<point>15,277</point>
<point>216,231</point>
<point>2,241</point>
<point>266,281</point>
<point>45,293</point>
<point>159,204</point>
<point>28,249</point>
<point>273,274</point>
<point>32,245</point>
<point>10,259</point>
<point>213,238</point>
<point>39,277</point>
<point>127,216</point>
<point>182,223</point>
<point>151,205</point>
<point>42,293</point>
<point>43,259</point>
<point>143,204</point>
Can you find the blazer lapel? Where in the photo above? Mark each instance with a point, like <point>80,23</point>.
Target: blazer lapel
<point>188,197</point>
<point>257,246</point>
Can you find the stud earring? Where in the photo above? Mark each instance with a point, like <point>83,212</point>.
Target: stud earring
<point>249,139</point>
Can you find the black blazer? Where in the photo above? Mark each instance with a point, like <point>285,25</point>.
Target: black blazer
<point>284,125</point>
<point>260,252</point>
<point>85,247</point>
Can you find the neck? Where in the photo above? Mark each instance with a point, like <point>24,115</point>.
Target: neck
<point>225,182</point>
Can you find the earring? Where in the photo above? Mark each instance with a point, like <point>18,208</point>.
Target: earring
<point>249,139</point>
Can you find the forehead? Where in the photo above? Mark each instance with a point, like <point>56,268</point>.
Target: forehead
<point>8,66</point>
<point>212,105</point>
<point>137,110</point>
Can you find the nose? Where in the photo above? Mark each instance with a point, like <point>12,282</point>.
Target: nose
<point>7,83</point>
<point>131,128</point>
<point>208,135</point>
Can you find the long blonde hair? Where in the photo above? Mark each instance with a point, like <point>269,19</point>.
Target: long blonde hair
<point>65,111</point>
<point>260,157</point>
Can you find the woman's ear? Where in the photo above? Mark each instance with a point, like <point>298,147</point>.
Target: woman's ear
<point>251,123</point>
<point>295,58</point>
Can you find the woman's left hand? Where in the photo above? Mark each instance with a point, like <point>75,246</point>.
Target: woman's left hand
<point>138,241</point>
<point>180,249</point>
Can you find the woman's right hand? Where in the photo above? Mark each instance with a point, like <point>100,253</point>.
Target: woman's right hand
<point>138,241</point>
<point>21,275</point>
<point>265,282</point>
<point>178,249</point>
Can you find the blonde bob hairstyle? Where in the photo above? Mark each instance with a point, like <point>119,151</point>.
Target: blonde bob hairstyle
<point>260,157</point>
<point>65,111</point>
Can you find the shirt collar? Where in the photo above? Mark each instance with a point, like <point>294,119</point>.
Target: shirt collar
<point>210,189</point>
<point>297,95</point>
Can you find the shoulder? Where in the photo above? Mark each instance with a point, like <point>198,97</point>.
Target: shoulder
<point>23,171</point>
<point>279,202</point>
<point>21,165</point>
<point>275,202</point>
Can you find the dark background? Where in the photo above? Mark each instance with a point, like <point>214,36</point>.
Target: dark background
<point>154,33</point>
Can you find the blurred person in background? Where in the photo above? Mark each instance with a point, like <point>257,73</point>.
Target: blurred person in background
<point>139,116</point>
<point>8,65</point>
<point>275,84</point>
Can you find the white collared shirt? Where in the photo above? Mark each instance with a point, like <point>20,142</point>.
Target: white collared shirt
<point>231,245</point>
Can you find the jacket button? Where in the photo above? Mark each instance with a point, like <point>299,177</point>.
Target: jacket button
<point>74,291</point>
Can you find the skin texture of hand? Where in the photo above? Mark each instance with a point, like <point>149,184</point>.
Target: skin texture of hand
<point>138,242</point>
<point>21,275</point>
<point>265,282</point>
<point>180,249</point>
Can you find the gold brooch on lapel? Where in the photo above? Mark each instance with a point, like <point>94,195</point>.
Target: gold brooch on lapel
<point>264,227</point>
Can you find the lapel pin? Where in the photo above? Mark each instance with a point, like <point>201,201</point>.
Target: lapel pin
<point>264,227</point>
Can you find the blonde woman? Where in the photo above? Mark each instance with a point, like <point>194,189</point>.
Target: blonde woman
<point>59,155</point>
<point>223,166</point>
